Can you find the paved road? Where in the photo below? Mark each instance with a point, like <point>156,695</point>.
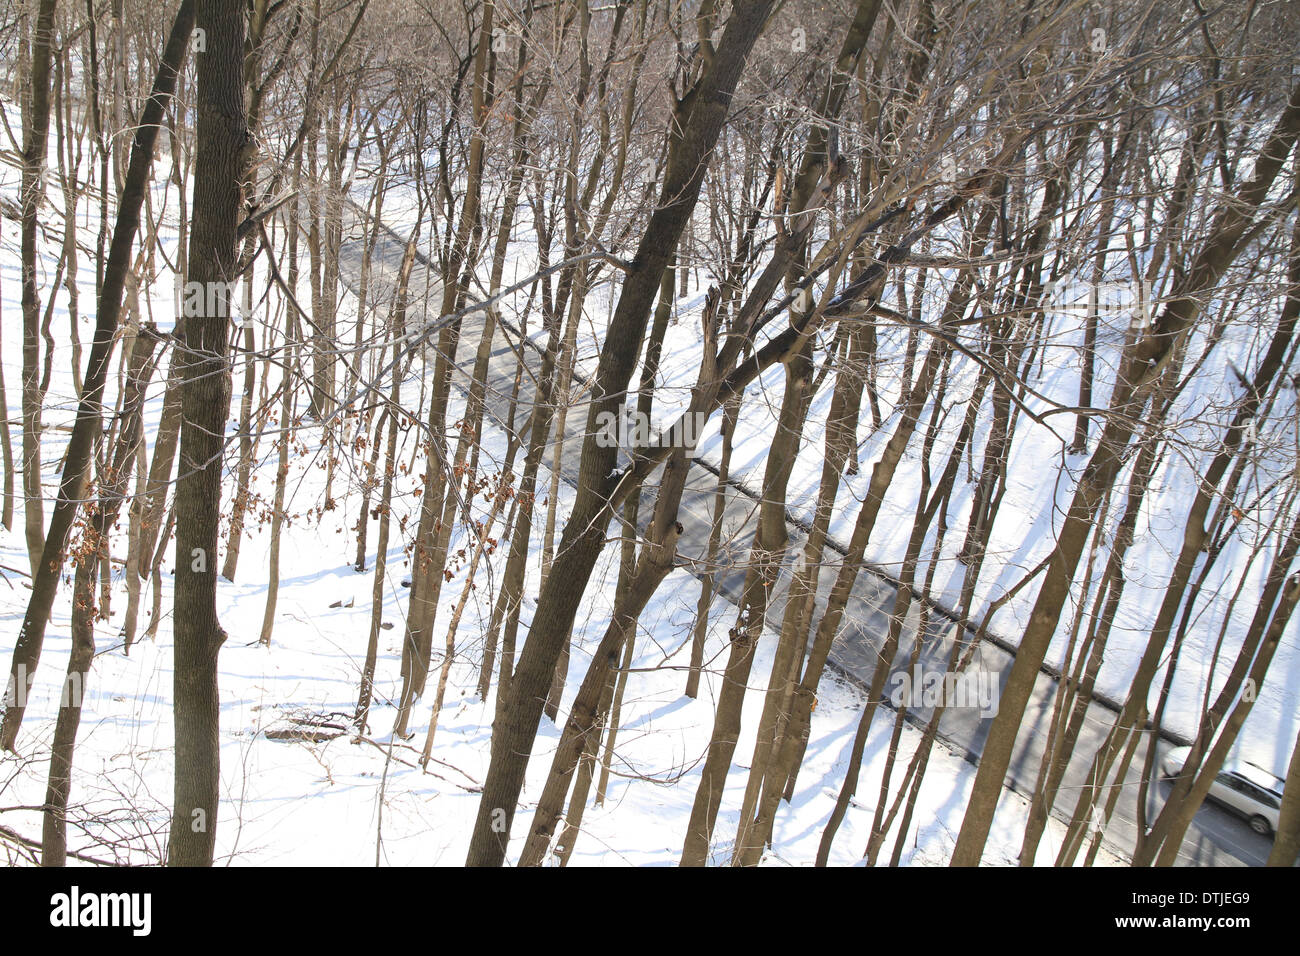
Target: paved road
<point>1216,838</point>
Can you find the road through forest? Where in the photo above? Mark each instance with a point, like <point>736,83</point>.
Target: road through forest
<point>1216,838</point>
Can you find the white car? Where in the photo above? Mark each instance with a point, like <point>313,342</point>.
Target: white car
<point>1241,787</point>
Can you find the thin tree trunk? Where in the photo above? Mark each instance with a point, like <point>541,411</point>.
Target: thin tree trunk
<point>1139,369</point>
<point>703,115</point>
<point>288,416</point>
<point>7,450</point>
<point>441,486</point>
<point>36,125</point>
<point>766,560</point>
<point>391,412</point>
<point>27,649</point>
<point>247,443</point>
<point>103,516</point>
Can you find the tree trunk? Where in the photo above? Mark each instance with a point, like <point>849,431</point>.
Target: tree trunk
<point>1139,369</point>
<point>36,127</point>
<point>205,406</point>
<point>702,114</point>
<point>27,649</point>
<point>1286,842</point>
<point>104,512</point>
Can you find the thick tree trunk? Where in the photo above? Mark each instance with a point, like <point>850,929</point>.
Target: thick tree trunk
<point>205,406</point>
<point>1286,842</point>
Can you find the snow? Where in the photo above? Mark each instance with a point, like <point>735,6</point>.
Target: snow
<point>349,801</point>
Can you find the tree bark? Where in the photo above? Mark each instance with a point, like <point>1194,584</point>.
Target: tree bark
<point>36,123</point>
<point>205,406</point>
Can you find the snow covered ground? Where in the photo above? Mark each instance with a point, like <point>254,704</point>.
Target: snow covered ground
<point>344,801</point>
<point>1039,487</point>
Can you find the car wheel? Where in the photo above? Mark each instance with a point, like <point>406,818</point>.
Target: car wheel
<point>1260,825</point>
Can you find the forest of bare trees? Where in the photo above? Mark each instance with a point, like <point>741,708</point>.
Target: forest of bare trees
<point>665,431</point>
